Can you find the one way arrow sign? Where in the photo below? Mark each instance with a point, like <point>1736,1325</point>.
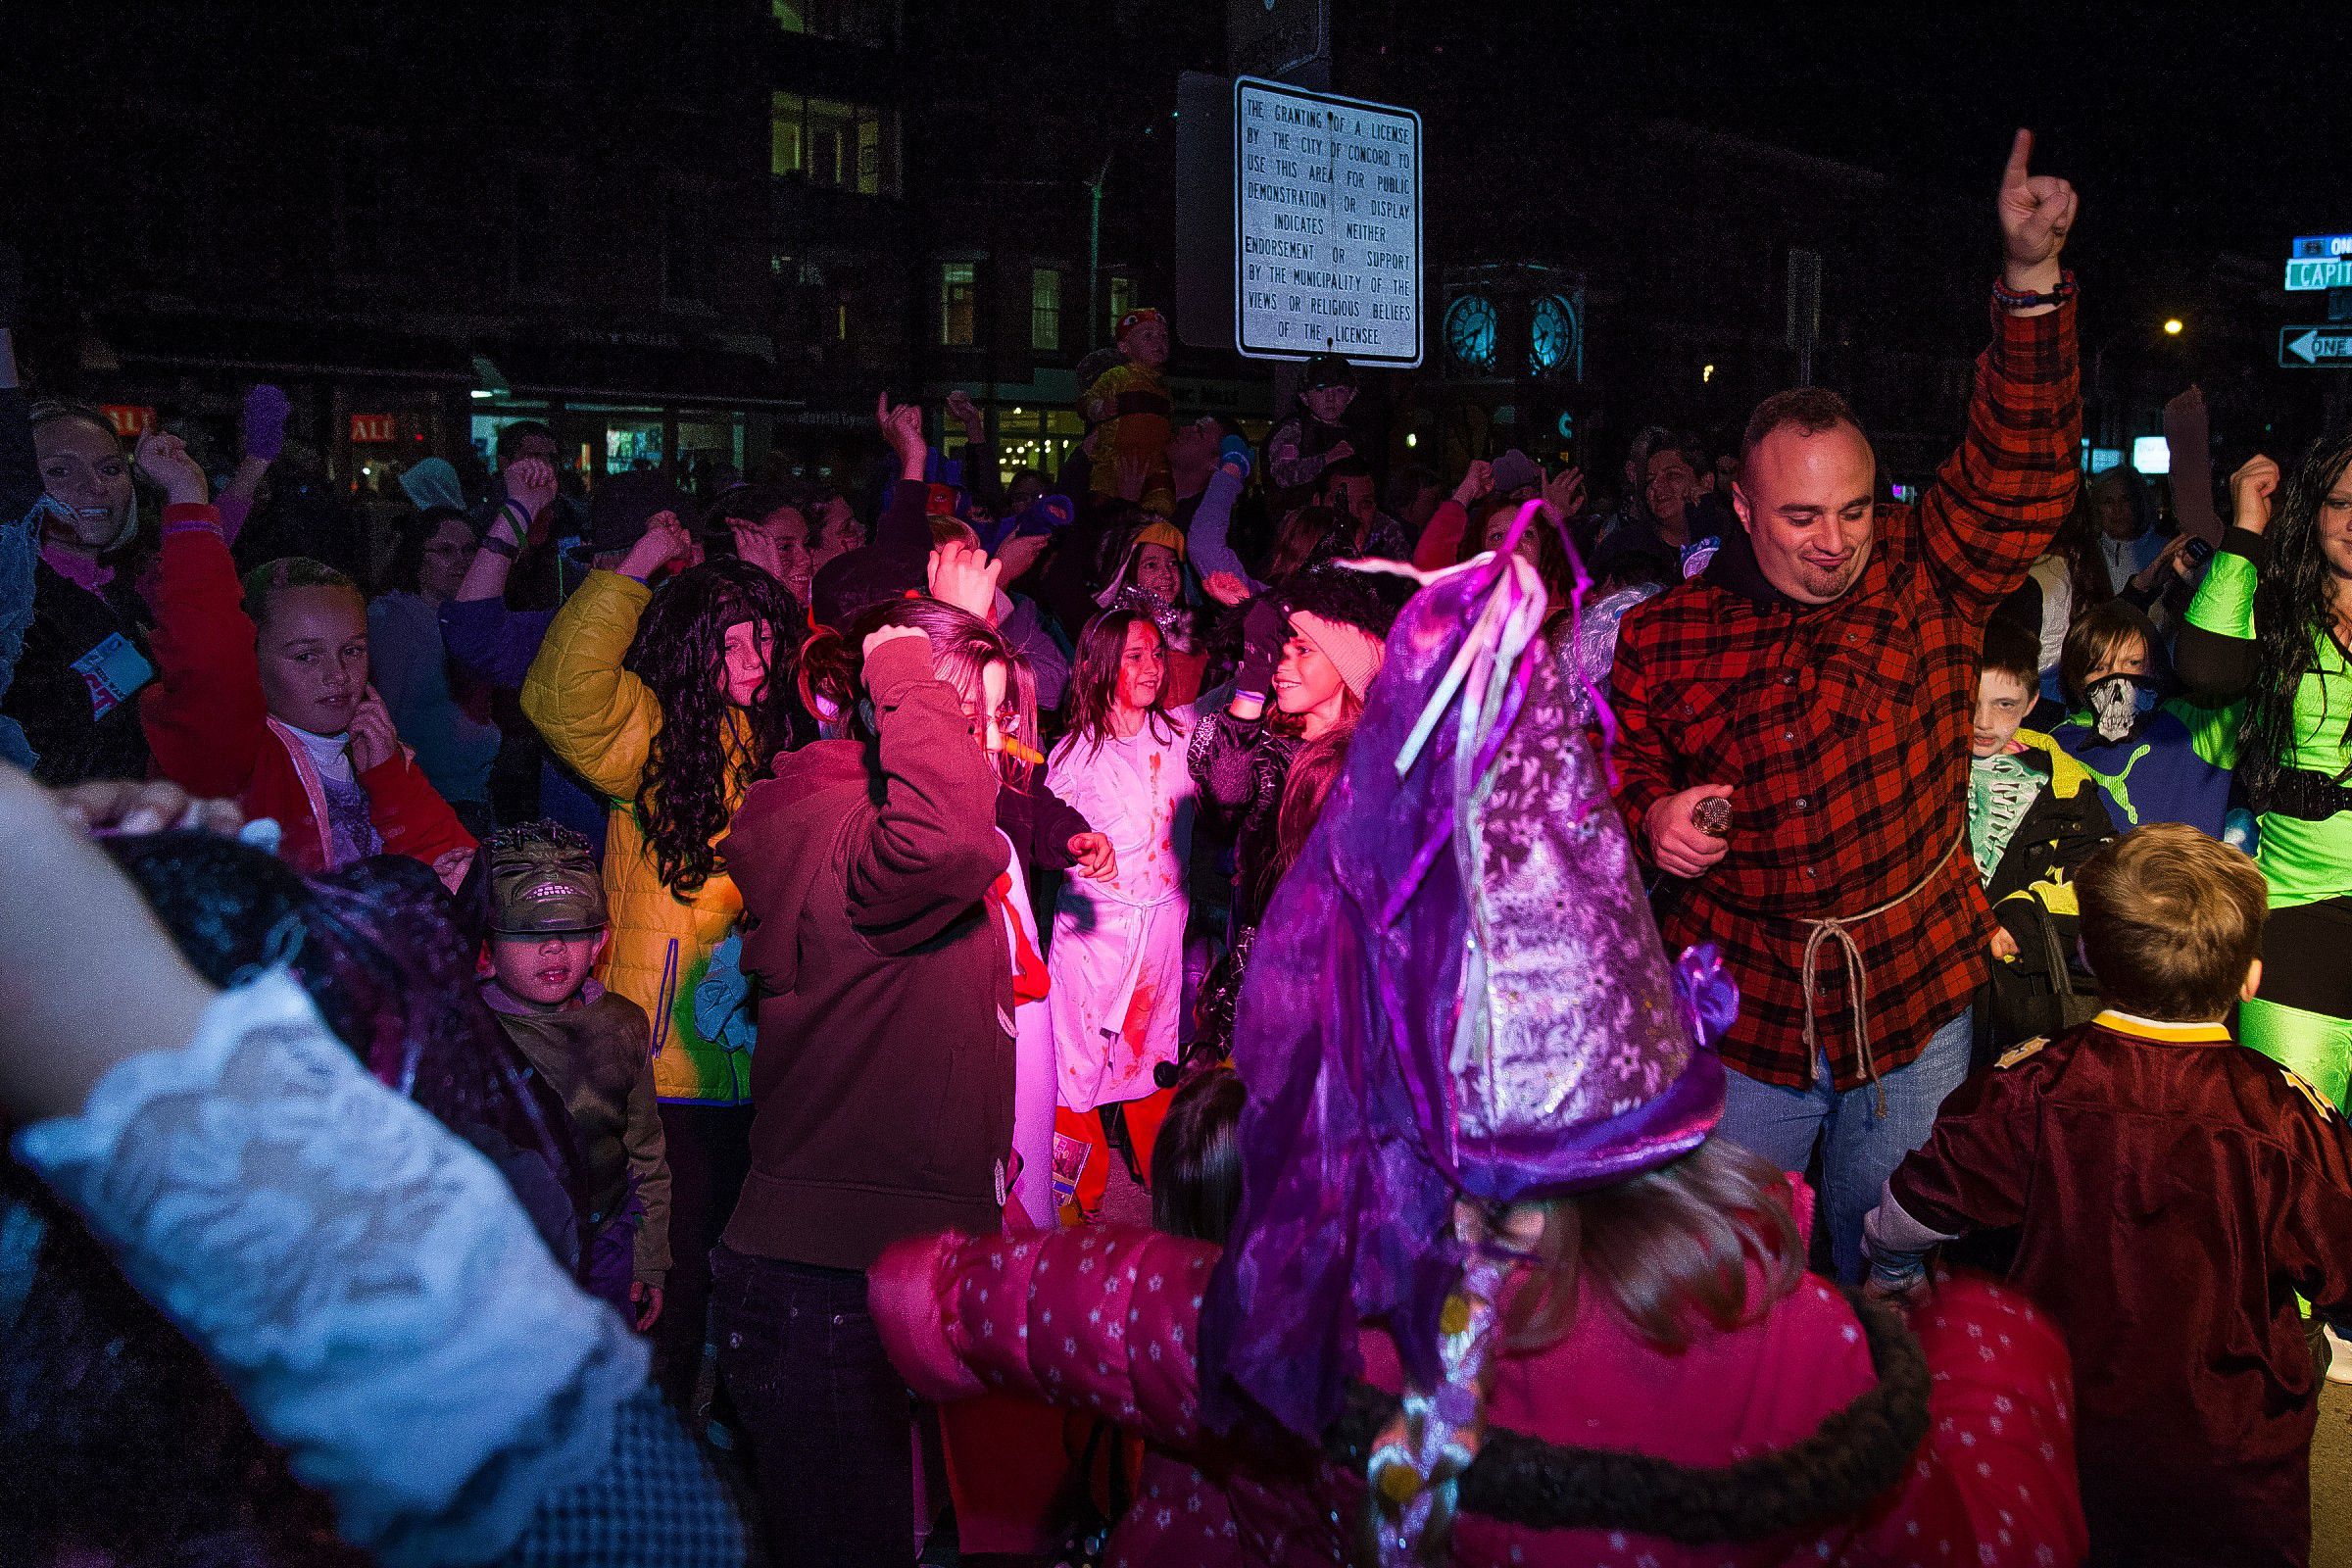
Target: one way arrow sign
<point>2315,348</point>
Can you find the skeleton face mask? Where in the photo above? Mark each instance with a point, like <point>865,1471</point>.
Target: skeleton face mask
<point>2117,704</point>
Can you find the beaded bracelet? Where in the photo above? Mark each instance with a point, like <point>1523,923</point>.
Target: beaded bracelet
<point>2009,299</point>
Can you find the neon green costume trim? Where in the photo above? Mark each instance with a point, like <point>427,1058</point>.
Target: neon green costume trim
<point>2304,861</point>
<point>2311,1045</point>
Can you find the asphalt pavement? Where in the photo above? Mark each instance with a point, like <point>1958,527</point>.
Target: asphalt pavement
<point>2332,1480</point>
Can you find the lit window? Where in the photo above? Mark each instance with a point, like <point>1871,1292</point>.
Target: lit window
<point>840,146</point>
<point>1045,308</point>
<point>871,23</point>
<point>787,133</point>
<point>1122,298</point>
<point>958,300</point>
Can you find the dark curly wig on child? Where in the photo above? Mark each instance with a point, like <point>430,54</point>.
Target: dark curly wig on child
<point>708,749</point>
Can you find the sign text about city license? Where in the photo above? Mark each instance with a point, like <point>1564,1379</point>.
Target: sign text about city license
<point>1327,225</point>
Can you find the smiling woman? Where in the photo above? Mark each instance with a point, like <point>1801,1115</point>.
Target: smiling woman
<point>85,656</point>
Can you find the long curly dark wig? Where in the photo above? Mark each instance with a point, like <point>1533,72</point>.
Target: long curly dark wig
<point>702,757</point>
<point>114,1434</point>
<point>2292,609</point>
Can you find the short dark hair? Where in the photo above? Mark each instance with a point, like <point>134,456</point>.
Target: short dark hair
<point>2171,919</point>
<point>512,435</point>
<point>2011,650</point>
<point>1347,467</point>
<point>1692,449</point>
<point>2095,636</point>
<point>1811,408</point>
<point>268,581</point>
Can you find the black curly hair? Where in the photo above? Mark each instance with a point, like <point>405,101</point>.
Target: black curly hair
<point>1368,600</point>
<point>2293,609</point>
<point>701,758</point>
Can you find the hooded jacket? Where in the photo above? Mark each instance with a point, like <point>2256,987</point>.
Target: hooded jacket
<point>884,1080</point>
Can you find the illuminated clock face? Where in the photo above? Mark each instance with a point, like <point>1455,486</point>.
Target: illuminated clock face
<point>1551,337</point>
<point>1470,331</point>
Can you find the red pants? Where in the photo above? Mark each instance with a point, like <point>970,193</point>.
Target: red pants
<point>1144,1117</point>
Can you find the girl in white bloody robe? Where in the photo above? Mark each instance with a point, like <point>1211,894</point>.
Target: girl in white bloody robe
<point>1117,956</point>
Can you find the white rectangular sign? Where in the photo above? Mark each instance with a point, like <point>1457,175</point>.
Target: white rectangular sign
<point>1327,226</point>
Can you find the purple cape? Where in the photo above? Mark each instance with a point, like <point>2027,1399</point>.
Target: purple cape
<point>1458,990</point>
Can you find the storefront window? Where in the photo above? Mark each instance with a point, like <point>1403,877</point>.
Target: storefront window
<point>632,445</point>
<point>1122,300</point>
<point>1029,437</point>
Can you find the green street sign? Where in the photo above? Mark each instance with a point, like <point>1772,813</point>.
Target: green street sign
<point>2319,271</point>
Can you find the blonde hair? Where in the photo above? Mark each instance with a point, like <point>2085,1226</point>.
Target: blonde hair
<point>2172,920</point>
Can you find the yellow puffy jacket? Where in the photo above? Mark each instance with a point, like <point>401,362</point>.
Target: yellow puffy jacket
<point>600,720</point>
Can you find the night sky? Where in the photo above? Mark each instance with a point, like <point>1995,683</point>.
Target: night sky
<point>2206,128</point>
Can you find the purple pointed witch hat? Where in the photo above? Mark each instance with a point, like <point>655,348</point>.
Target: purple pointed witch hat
<point>1457,991</point>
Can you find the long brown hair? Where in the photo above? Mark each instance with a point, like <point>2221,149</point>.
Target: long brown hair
<point>832,664</point>
<point>1307,785</point>
<point>1302,534</point>
<point>1670,1248</point>
<point>1095,680</point>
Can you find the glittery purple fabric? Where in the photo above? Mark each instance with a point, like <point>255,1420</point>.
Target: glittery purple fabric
<point>1403,1042</point>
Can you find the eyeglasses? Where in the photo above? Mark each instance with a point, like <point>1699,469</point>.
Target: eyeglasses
<point>1008,720</point>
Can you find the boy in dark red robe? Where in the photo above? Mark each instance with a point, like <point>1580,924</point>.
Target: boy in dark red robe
<point>2172,1194</point>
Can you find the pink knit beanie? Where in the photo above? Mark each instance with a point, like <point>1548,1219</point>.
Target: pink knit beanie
<point>1353,652</point>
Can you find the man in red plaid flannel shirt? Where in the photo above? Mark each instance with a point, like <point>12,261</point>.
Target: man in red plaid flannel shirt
<point>1818,678</point>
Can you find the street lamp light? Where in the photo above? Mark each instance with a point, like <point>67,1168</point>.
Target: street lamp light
<point>2172,326</point>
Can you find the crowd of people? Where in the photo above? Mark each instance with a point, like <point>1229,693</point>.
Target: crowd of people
<point>1720,1017</point>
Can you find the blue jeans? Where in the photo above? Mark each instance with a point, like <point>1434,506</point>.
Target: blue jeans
<point>828,1419</point>
<point>1860,1148</point>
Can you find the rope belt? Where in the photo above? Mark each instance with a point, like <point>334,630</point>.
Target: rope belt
<point>1837,929</point>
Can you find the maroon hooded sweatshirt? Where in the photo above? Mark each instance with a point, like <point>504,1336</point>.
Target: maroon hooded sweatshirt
<point>882,1084</point>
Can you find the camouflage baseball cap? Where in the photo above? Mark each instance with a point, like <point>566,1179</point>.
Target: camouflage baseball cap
<point>544,880</point>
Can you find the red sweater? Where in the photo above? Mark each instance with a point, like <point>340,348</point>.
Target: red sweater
<point>212,734</point>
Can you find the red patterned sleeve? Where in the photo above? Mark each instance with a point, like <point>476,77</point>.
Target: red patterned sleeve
<point>1994,1481</point>
<point>1998,501</point>
<point>1100,1319</point>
